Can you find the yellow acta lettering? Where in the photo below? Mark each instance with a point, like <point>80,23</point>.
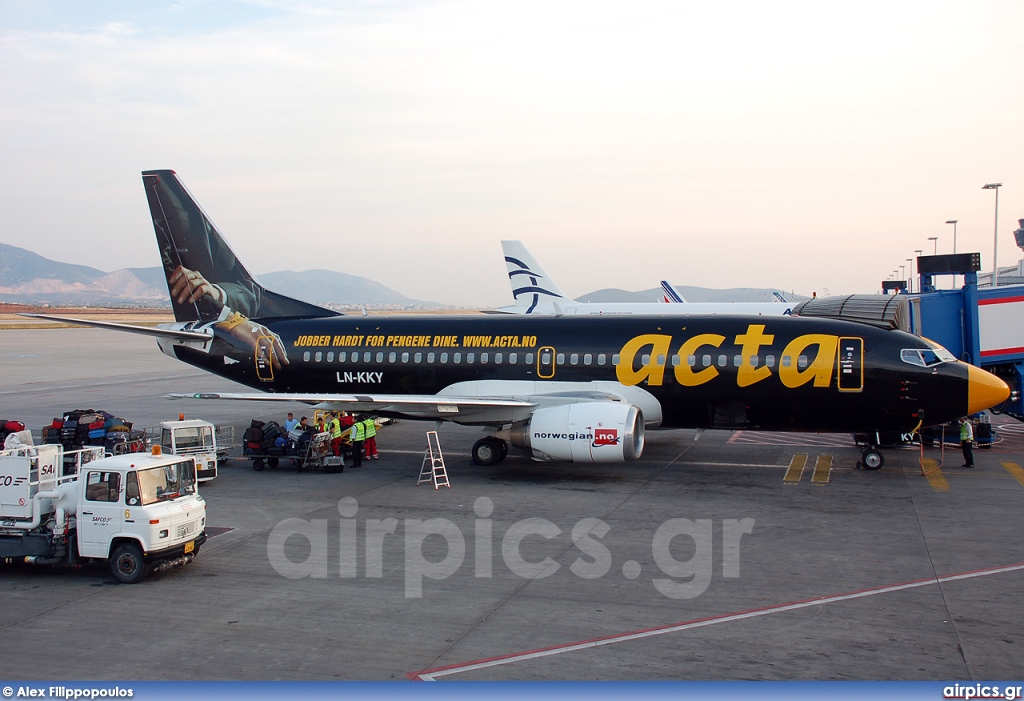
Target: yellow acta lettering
<point>750,341</point>
<point>820,369</point>
<point>652,371</point>
<point>684,373</point>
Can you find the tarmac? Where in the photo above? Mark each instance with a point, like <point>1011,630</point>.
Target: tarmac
<point>720,556</point>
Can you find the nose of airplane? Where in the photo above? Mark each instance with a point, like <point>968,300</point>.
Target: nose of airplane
<point>984,390</point>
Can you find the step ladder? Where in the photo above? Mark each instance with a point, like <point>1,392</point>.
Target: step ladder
<point>432,469</point>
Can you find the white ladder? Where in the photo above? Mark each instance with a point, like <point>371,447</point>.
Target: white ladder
<point>432,469</point>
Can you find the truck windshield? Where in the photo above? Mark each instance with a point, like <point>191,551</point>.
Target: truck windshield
<point>167,482</point>
<point>191,439</point>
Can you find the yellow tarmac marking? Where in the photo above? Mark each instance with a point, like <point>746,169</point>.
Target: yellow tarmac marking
<point>935,477</point>
<point>822,469</point>
<point>796,469</point>
<point>1015,470</point>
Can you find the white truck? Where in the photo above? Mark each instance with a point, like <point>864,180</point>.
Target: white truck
<point>139,511</point>
<point>195,438</point>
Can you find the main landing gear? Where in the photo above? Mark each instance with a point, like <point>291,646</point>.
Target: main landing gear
<point>489,451</point>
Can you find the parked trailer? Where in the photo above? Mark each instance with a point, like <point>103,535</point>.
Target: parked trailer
<point>140,512</point>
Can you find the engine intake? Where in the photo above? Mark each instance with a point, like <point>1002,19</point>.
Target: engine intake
<point>589,432</point>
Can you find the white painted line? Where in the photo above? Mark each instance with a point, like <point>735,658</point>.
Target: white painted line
<point>433,674</point>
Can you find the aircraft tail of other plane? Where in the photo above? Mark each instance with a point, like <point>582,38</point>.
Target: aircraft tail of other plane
<point>531,286</point>
<point>671,294</point>
<point>205,279</point>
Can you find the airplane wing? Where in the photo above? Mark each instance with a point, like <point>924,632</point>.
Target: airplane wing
<point>430,406</point>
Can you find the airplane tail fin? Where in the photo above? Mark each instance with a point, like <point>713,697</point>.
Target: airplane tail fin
<point>531,286</point>
<point>672,295</point>
<point>204,277</point>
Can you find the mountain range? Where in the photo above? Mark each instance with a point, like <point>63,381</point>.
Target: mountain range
<point>29,278</point>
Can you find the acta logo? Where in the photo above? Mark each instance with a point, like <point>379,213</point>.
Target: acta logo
<point>606,436</point>
<point>819,349</point>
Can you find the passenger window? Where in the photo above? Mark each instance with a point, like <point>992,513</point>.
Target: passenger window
<point>318,357</point>
<point>342,356</point>
<point>444,357</point>
<point>645,359</point>
<point>330,357</point>
<point>131,490</point>
<point>706,360</point>
<point>380,357</point>
<point>753,361</point>
<point>801,362</point>
<point>787,360</point>
<point>661,359</point>
<point>769,361</point>
<point>601,358</point>
<point>512,358</point>
<point>723,360</point>
<point>588,358</point>
<point>305,357</point>
<point>366,356</point>
<point>456,357</point>
<point>392,357</point>
<point>560,358</point>
<point>470,357</point>
<point>405,357</point>
<point>497,358</point>
<point>418,358</point>
<point>430,358</point>
<point>691,360</point>
<point>574,359</point>
<point>737,360</point>
<point>615,359</point>
<point>529,358</point>
<point>483,357</point>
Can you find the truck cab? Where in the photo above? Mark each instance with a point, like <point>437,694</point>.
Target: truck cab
<point>195,438</point>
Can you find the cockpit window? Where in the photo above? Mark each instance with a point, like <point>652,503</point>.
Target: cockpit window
<point>925,357</point>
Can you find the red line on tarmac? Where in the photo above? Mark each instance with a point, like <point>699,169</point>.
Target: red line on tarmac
<point>433,674</point>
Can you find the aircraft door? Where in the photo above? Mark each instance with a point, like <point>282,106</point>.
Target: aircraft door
<point>546,363</point>
<point>851,364</point>
<point>264,357</point>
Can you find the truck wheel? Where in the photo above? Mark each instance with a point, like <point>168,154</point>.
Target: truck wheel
<point>257,464</point>
<point>127,564</point>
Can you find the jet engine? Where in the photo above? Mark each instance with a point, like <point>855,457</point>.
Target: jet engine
<point>582,432</point>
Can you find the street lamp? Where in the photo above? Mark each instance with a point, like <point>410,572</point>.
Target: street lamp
<point>911,281</point>
<point>918,251</point>
<point>934,240</point>
<point>953,222</point>
<point>995,234</point>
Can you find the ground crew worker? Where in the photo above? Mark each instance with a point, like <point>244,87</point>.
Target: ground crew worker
<point>334,428</point>
<point>371,439</point>
<point>966,439</point>
<point>357,435</point>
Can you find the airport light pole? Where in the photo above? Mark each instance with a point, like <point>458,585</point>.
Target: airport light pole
<point>935,248</point>
<point>911,280</point>
<point>995,234</point>
<point>918,251</point>
<point>953,222</point>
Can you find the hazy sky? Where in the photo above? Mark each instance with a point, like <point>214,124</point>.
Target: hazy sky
<point>801,145</point>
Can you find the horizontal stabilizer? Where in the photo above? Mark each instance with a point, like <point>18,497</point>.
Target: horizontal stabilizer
<point>129,328</point>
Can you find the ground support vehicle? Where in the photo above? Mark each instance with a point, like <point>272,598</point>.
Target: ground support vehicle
<point>311,452</point>
<point>140,512</point>
<point>195,438</point>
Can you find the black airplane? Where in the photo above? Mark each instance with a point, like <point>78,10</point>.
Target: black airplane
<point>581,389</point>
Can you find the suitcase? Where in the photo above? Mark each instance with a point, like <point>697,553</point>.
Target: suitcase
<point>333,464</point>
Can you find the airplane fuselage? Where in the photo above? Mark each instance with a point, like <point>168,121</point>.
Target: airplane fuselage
<point>718,371</point>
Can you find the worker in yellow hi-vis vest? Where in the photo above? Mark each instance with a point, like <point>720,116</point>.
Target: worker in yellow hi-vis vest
<point>334,428</point>
<point>371,438</point>
<point>357,436</point>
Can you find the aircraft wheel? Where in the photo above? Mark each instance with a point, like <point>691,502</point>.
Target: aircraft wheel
<point>273,462</point>
<point>257,464</point>
<point>872,459</point>
<point>487,451</point>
